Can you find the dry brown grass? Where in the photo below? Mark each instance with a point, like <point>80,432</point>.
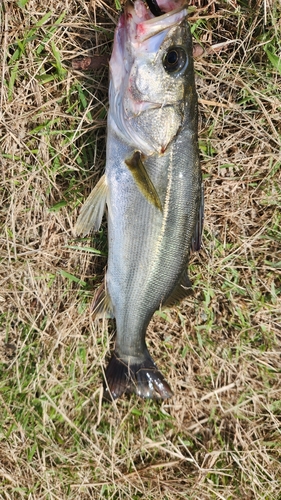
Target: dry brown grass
<point>219,436</point>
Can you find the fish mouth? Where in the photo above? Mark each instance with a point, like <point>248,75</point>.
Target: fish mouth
<point>147,25</point>
<point>154,7</point>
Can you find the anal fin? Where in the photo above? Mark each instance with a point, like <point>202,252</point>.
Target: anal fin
<point>93,209</point>
<point>101,306</point>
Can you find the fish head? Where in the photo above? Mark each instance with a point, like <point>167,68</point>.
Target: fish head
<point>152,77</point>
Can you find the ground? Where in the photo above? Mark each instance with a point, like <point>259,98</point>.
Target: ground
<point>219,436</point>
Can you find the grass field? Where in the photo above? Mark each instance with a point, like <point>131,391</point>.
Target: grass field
<point>219,436</point>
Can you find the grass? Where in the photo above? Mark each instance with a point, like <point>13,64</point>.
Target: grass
<point>219,436</point>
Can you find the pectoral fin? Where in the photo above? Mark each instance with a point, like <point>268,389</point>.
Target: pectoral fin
<point>142,179</point>
<point>93,209</point>
<point>180,292</point>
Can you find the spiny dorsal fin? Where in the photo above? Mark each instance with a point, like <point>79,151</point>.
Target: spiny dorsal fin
<point>180,292</point>
<point>101,306</point>
<point>93,209</point>
<point>142,179</point>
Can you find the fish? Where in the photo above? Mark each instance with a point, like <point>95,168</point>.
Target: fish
<point>151,189</point>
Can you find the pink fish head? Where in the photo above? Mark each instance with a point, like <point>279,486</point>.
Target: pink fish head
<point>143,78</point>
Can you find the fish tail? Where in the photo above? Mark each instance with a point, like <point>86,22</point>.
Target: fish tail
<point>128,376</point>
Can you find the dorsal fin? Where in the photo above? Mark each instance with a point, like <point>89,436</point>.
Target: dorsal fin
<point>197,234</point>
<point>180,292</point>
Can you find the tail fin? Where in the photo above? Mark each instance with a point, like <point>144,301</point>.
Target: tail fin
<point>130,376</point>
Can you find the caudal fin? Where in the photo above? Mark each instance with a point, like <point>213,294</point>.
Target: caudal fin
<point>128,376</point>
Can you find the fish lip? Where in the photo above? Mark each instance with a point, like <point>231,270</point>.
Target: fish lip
<point>147,28</point>
<point>165,15</point>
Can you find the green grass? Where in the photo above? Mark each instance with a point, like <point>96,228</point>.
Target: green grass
<point>219,436</point>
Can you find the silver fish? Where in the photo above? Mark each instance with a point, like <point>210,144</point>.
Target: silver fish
<point>151,186</point>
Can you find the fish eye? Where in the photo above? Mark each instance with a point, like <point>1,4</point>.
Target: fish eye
<point>175,59</point>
